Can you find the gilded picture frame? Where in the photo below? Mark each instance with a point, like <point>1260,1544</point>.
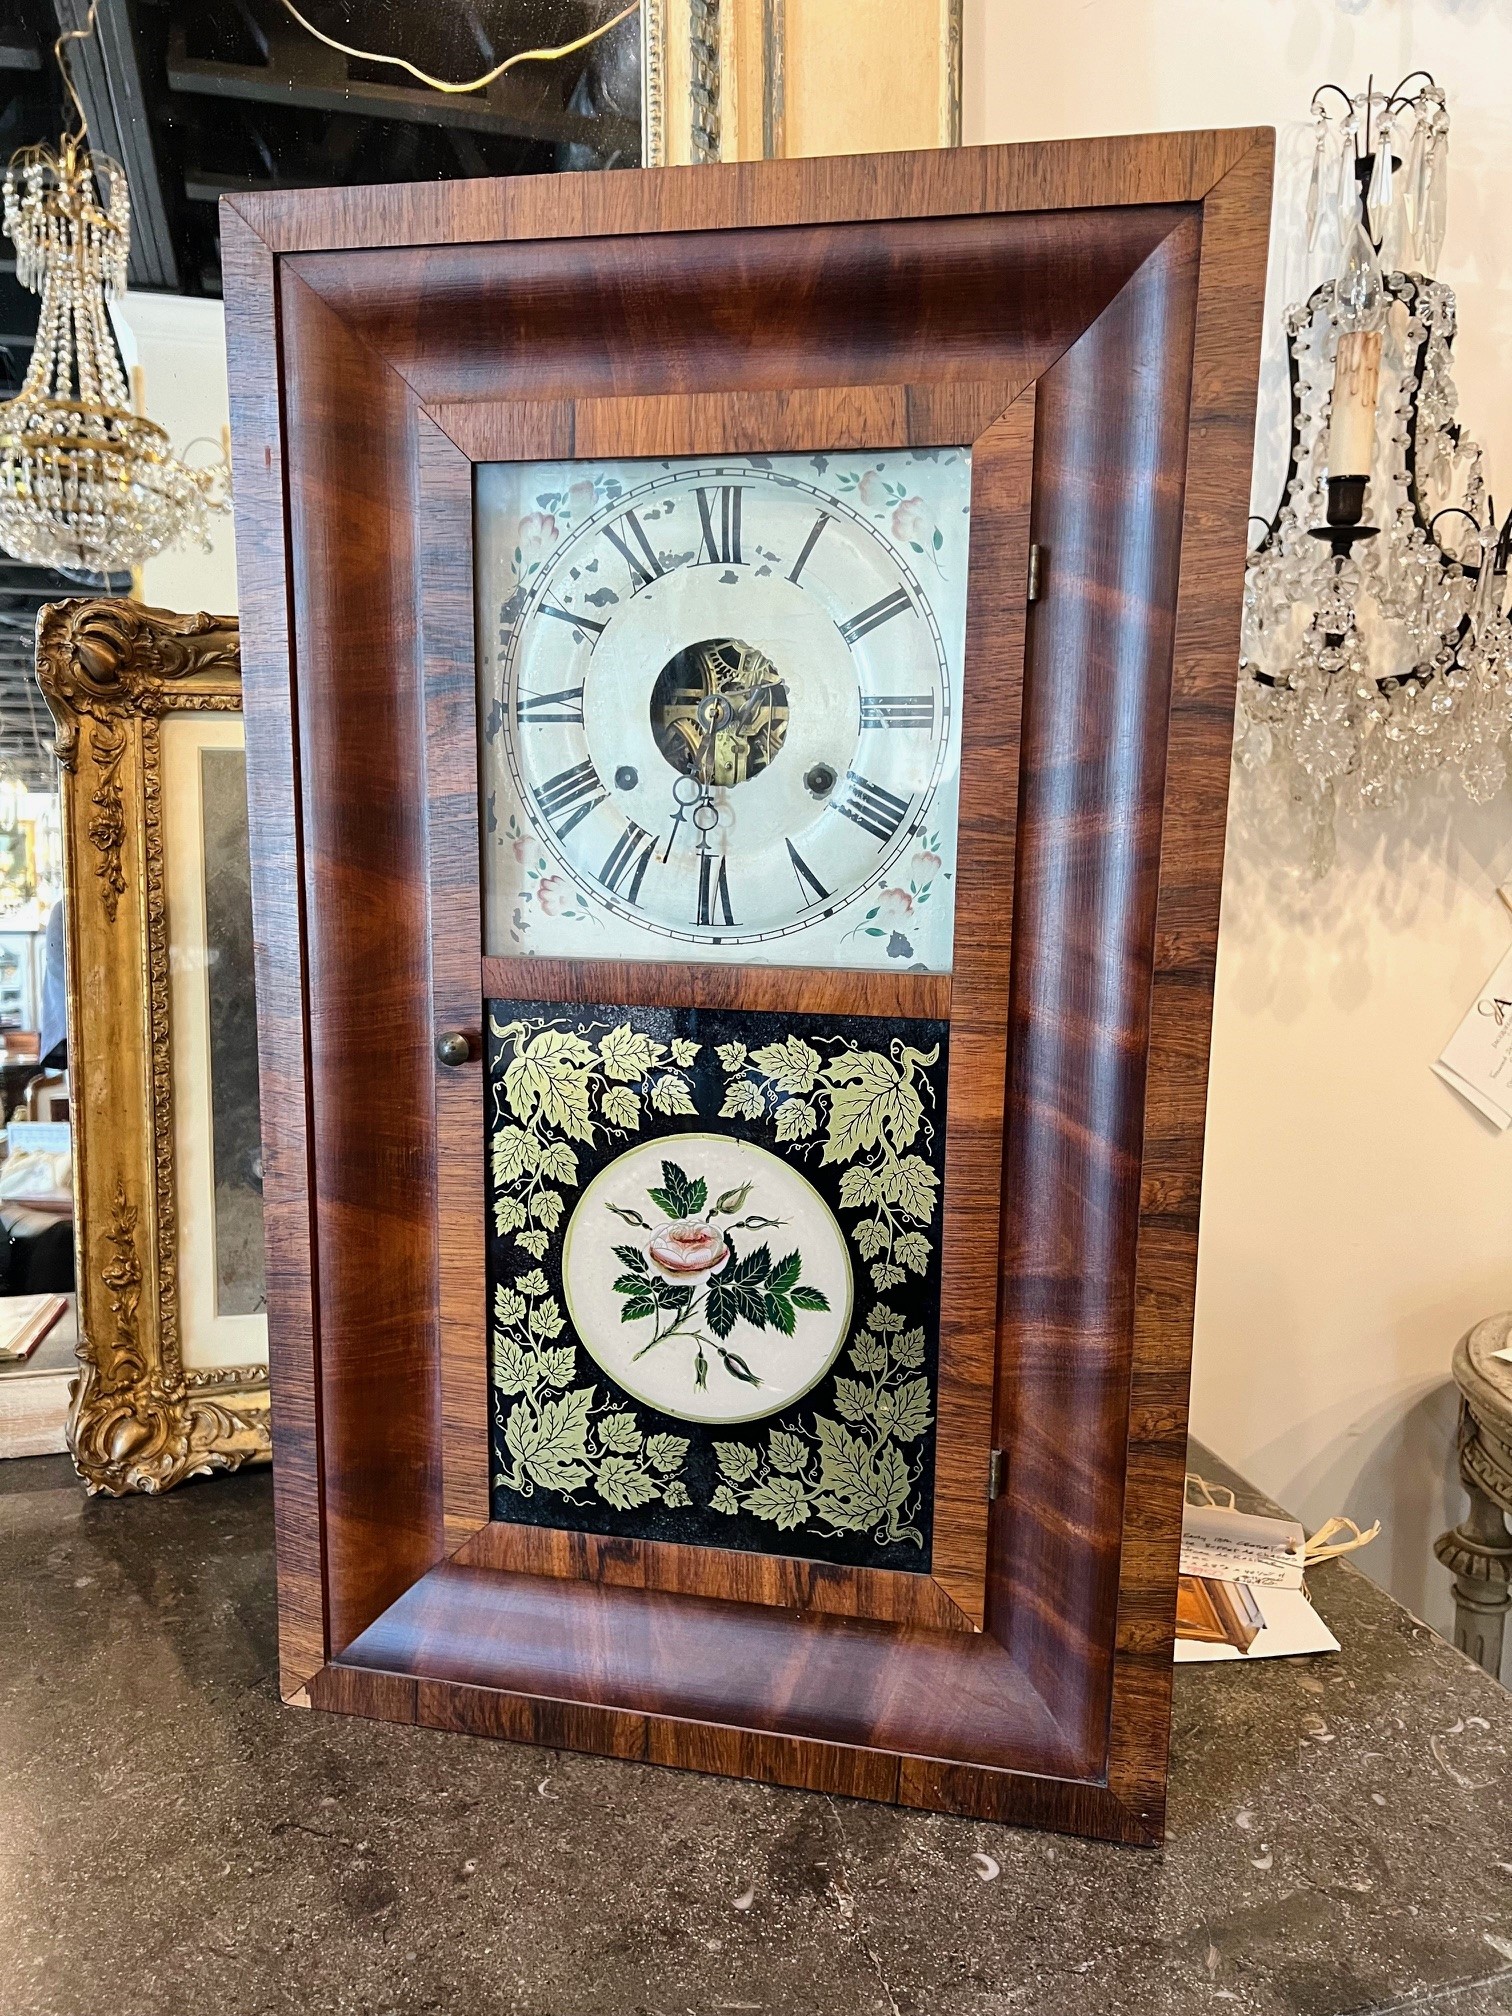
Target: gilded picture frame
<point>119,680</point>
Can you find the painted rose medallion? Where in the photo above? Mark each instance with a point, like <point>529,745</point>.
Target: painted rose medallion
<point>707,1278</point>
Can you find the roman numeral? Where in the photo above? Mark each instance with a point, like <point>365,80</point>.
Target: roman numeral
<point>809,544</point>
<point>871,808</point>
<point>570,616</point>
<point>807,879</point>
<point>713,889</point>
<point>542,709</point>
<point>897,710</point>
<point>879,613</point>
<point>644,566</point>
<point>630,855</point>
<point>726,546</point>
<point>570,790</point>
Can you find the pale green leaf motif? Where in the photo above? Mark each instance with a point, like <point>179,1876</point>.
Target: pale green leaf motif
<point>736,1460</point>
<point>868,1353</point>
<point>619,1434</point>
<point>509,1214</point>
<point>845,1468</point>
<point>546,1319</point>
<point>908,1350</point>
<point>888,1321</point>
<point>885,1276</point>
<point>780,1499</point>
<point>534,1243</point>
<point>742,1100</point>
<point>912,1250</point>
<point>787,1451</point>
<point>845,1517</point>
<point>620,1107</point>
<point>514,1154</point>
<point>684,1051</point>
<point>852,1400</point>
<point>509,1307</point>
<point>911,1185</point>
<point>557,1163</point>
<point>724,1500</point>
<point>666,1452</point>
<point>858,1188</point>
<point>792,1065</point>
<point>552,1447</point>
<point>558,1363</point>
<point>796,1120</point>
<point>891,1475</point>
<point>627,1054</point>
<point>675,1495</point>
<point>514,1371</point>
<point>546,1208</point>
<point>868,1098</point>
<point>731,1055</point>
<point>671,1094</point>
<point>911,1412</point>
<point>624,1483</point>
<point>533,1283</point>
<point>549,1076</point>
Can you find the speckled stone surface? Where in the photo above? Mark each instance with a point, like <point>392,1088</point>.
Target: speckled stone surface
<point>173,1842</point>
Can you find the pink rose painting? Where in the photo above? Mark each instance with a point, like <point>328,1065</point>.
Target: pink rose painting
<point>693,1283</point>
<point>581,498</point>
<point>537,534</point>
<point>554,894</point>
<point>872,490</point>
<point>912,523</point>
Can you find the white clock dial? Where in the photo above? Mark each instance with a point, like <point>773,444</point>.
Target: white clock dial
<point>725,713</point>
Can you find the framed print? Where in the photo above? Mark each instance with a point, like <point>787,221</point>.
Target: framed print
<point>739,675</point>
<point>172,1315</point>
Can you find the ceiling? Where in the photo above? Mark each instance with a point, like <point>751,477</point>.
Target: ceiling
<point>202,98</point>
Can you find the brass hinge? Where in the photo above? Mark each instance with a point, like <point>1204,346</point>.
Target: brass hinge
<point>994,1475</point>
<point>1034,573</point>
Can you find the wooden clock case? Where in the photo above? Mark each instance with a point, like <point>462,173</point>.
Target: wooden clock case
<point>1087,315</point>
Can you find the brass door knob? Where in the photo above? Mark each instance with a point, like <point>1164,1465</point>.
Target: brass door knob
<point>453,1047</point>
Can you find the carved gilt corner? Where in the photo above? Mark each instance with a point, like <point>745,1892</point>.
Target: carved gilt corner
<point>110,670</point>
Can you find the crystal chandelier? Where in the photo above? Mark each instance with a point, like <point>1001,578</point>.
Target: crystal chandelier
<point>1376,643</point>
<point>86,483</point>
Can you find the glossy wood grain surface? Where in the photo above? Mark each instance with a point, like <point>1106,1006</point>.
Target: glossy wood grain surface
<point>1123,279</point>
<point>762,990</point>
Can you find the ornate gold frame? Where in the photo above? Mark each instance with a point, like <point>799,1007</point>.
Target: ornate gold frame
<point>110,670</point>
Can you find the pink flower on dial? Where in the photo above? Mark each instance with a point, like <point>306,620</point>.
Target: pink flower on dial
<point>688,1248</point>
<point>893,905</point>
<point>872,489</point>
<point>536,536</point>
<point>912,523</point>
<point>553,893</point>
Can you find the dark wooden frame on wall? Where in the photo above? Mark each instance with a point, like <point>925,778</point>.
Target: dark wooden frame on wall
<point>1099,302</point>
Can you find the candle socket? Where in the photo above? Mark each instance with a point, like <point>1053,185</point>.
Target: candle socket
<point>1346,499</point>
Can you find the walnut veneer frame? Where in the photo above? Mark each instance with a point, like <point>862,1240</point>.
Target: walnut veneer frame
<point>381,341</point>
<point>138,1420</point>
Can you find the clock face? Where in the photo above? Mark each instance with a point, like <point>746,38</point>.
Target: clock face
<point>722,706</point>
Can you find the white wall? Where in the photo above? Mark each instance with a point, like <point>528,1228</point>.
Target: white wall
<point>180,344</point>
<point>1357,1216</point>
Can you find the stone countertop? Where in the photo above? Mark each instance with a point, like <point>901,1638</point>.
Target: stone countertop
<point>179,1844</point>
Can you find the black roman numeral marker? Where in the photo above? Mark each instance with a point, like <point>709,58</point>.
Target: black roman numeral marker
<point>571,616</point>
<point>870,807</point>
<point>807,879</point>
<point>541,709</point>
<point>725,546</point>
<point>630,855</point>
<point>809,544</point>
<point>572,790</point>
<point>713,889</point>
<point>897,710</point>
<point>644,566</point>
<point>879,612</point>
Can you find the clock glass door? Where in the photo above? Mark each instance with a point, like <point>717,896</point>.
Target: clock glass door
<point>720,714</point>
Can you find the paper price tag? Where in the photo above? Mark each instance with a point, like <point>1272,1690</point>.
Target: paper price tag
<point>1241,1547</point>
<point>1477,1059</point>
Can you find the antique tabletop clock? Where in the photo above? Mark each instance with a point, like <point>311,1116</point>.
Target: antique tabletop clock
<point>738,668</point>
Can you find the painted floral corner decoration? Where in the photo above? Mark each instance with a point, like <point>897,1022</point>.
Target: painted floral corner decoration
<point>558,1083</point>
<point>850,1475</point>
<point>865,1109</point>
<point>892,916</point>
<point>875,488</point>
<point>693,1282</point>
